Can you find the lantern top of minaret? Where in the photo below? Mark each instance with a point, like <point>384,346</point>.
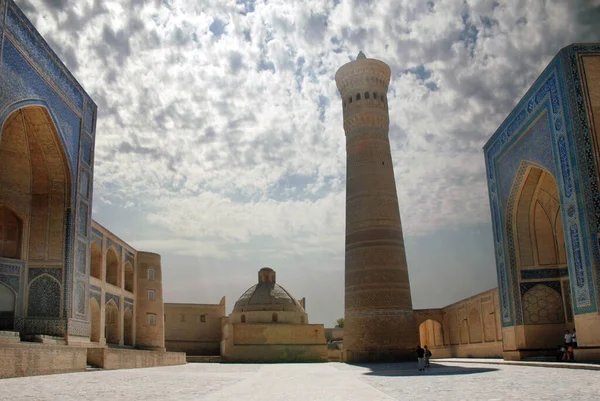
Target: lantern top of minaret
<point>361,56</point>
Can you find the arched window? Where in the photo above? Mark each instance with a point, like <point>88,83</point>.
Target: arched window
<point>274,317</point>
<point>10,234</point>
<point>358,96</point>
<point>243,318</point>
<point>374,95</point>
<point>112,267</point>
<point>366,95</point>
<point>350,99</point>
<point>128,277</point>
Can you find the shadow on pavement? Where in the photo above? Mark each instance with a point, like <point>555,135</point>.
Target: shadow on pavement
<point>411,369</point>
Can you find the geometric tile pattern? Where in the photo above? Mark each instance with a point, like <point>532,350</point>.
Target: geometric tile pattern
<point>541,305</point>
<point>31,74</point>
<point>558,98</point>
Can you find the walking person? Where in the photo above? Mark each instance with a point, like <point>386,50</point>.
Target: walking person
<point>427,356</point>
<point>567,339</point>
<point>420,355</point>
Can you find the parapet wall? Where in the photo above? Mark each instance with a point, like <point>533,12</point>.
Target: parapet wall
<point>274,334</point>
<point>17,360</point>
<point>111,358</point>
<point>271,343</point>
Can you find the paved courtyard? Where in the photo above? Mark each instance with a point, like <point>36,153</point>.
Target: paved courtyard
<point>331,381</point>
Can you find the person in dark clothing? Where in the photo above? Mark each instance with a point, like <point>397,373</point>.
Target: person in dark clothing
<point>427,356</point>
<point>420,355</point>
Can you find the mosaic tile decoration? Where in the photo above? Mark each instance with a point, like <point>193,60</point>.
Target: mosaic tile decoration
<point>80,298</point>
<point>549,93</point>
<point>117,246</point>
<point>80,328</point>
<point>128,300</point>
<point>94,288</point>
<point>82,218</point>
<point>43,297</point>
<point>536,274</point>
<point>81,256</point>
<point>18,25</point>
<point>52,327</point>
<point>97,296</point>
<point>68,271</point>
<point>108,297</point>
<point>97,232</point>
<point>35,272</point>
<point>32,75</point>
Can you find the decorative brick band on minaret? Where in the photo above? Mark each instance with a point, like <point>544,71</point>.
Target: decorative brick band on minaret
<point>379,323</point>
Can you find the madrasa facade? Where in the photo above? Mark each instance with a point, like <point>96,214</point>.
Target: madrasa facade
<point>73,294</point>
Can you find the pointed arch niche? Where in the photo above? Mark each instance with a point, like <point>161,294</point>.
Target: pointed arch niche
<point>539,255</point>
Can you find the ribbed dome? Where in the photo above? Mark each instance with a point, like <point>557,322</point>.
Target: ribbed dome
<point>267,295</point>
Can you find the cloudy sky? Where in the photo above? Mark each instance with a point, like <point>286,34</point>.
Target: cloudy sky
<point>220,142</point>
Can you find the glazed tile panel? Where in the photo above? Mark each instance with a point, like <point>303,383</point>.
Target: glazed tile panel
<point>542,130</point>
<point>32,75</point>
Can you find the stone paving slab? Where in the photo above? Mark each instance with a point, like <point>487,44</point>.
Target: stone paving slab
<point>563,365</point>
<point>306,382</point>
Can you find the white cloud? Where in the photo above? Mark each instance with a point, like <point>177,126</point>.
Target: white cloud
<point>216,138</point>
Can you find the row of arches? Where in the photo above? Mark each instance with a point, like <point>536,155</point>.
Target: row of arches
<point>112,323</point>
<point>365,96</point>
<point>113,268</point>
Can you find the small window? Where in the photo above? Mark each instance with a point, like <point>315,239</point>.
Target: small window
<point>358,96</point>
<point>243,318</point>
<point>150,274</point>
<point>366,95</point>
<point>350,99</point>
<point>182,317</point>
<point>151,295</point>
<point>202,318</point>
<point>151,319</point>
<point>274,317</point>
<point>374,95</point>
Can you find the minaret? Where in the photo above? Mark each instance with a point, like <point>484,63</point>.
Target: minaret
<point>379,324</point>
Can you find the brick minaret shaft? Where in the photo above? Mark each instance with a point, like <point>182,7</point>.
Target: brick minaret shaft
<point>379,323</point>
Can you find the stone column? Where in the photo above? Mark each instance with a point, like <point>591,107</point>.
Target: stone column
<point>379,323</point>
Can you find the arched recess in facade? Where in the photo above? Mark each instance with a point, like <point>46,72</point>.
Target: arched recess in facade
<point>431,333</point>
<point>128,327</point>
<point>128,277</point>
<point>96,261</point>
<point>111,322</point>
<point>539,255</point>
<point>35,190</point>
<point>112,267</point>
<point>7,308</point>
<point>95,316</point>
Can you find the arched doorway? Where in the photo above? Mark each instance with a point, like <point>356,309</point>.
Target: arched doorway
<point>431,333</point>
<point>11,229</point>
<point>111,322</point>
<point>95,318</point>
<point>7,308</point>
<point>128,277</point>
<point>112,267</point>
<point>541,260</point>
<point>128,327</point>
<point>96,261</point>
<point>35,190</point>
